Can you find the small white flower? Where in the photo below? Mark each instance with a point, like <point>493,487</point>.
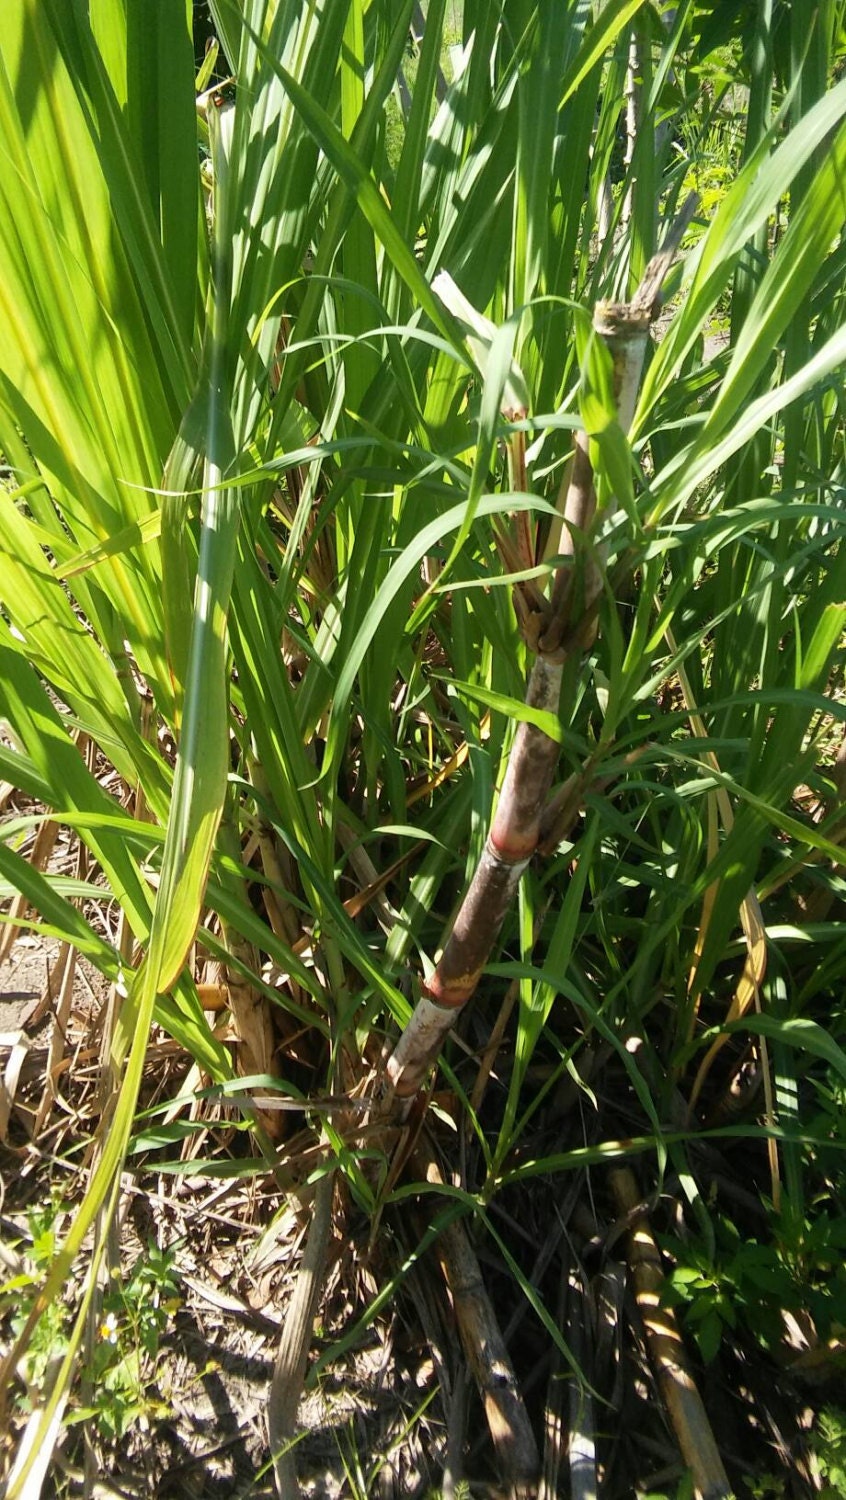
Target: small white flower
<point>109,1328</point>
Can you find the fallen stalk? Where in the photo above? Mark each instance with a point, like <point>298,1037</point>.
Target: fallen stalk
<point>666,1351</point>
<point>484,1347</point>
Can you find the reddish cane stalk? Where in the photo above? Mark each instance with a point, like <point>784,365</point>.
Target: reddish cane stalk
<point>508,849</point>
<point>567,624</point>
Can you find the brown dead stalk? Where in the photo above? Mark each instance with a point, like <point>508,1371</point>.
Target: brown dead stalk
<point>292,1357</point>
<point>484,1346</point>
<point>664,1342</point>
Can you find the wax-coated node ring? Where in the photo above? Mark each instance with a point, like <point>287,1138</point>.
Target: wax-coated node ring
<point>621,319</point>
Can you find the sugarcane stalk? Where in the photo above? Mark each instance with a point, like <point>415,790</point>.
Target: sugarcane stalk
<point>634,115</point>
<point>666,1350</point>
<point>250,1010</point>
<point>563,629</point>
<point>484,1346</point>
<point>292,1356</point>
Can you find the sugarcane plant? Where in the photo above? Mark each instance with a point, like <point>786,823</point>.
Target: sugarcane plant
<point>527,819</point>
<point>322,439</point>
